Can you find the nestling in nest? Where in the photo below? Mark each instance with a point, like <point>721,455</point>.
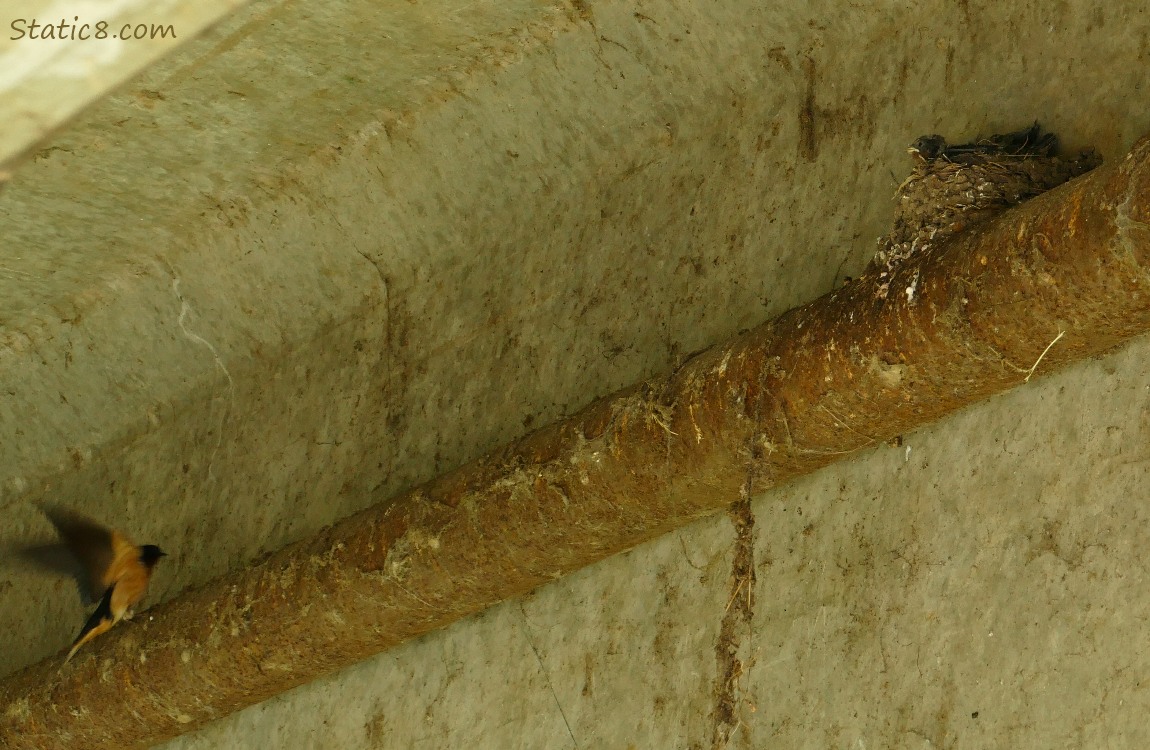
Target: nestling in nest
<point>953,188</point>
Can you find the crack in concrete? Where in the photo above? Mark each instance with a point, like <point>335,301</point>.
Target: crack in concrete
<point>378,269</point>
<point>186,308</point>
<point>181,322</point>
<point>735,627</point>
<point>389,324</point>
<point>546,676</point>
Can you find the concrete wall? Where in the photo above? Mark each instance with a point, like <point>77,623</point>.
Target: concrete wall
<point>982,585</point>
<point>330,251</point>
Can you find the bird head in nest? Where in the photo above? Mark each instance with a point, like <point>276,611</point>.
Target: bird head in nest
<point>927,147</point>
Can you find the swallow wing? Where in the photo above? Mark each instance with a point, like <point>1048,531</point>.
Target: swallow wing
<point>57,558</point>
<point>89,542</point>
<point>1026,142</point>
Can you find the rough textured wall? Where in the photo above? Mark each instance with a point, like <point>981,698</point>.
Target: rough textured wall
<point>331,251</point>
<point>981,585</point>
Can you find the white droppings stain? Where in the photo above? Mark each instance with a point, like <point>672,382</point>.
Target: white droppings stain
<point>910,290</point>
<point>890,375</point>
<point>18,709</point>
<point>421,540</point>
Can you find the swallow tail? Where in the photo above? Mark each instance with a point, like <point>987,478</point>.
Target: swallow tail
<point>100,622</point>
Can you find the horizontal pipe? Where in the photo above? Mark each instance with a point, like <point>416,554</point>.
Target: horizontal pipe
<point>1062,277</point>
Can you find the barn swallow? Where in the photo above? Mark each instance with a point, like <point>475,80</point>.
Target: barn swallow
<point>1026,142</point>
<point>116,570</point>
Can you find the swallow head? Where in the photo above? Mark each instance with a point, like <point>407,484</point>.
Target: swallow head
<point>150,554</point>
<point>928,147</point>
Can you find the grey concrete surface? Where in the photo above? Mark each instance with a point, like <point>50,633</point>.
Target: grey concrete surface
<point>333,250</point>
<point>982,585</point>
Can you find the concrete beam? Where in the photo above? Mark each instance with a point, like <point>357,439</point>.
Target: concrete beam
<point>1063,277</point>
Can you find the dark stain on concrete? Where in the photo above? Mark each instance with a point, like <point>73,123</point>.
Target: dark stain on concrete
<point>736,623</point>
<point>808,135</point>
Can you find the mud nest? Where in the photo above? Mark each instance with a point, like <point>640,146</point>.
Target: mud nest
<point>954,188</point>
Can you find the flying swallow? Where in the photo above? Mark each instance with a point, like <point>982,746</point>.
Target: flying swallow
<point>116,570</point>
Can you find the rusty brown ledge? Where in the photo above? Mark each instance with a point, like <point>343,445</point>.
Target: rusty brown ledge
<point>1063,277</point>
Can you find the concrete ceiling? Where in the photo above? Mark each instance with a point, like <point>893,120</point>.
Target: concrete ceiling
<point>331,250</point>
